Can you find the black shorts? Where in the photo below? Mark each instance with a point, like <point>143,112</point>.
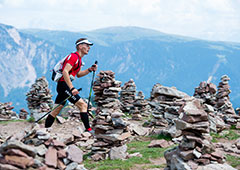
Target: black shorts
<point>63,93</point>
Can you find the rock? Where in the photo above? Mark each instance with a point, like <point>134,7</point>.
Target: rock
<point>72,166</point>
<point>61,165</point>
<point>6,111</point>
<point>186,155</point>
<point>158,143</point>
<point>217,154</point>
<point>8,167</point>
<point>172,131</point>
<point>192,165</point>
<point>61,153</point>
<point>237,143</point>
<point>51,157</point>
<point>127,95</point>
<point>18,145</point>
<point>195,146</point>
<point>19,161</point>
<point>137,154</point>
<point>167,91</point>
<point>197,154</point>
<point>168,154</point>
<point>81,167</point>
<point>23,114</point>
<point>216,167</point>
<point>75,154</point>
<point>118,152</point>
<point>139,130</point>
<point>178,164</point>
<point>39,98</point>
<point>238,125</point>
<point>41,150</point>
<point>110,127</point>
<point>98,156</point>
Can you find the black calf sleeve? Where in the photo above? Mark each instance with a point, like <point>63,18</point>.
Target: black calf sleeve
<point>49,121</point>
<point>85,120</point>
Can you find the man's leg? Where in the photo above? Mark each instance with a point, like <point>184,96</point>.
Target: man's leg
<point>51,117</point>
<point>82,106</point>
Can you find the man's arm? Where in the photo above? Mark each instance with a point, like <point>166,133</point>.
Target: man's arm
<point>66,77</point>
<point>85,72</point>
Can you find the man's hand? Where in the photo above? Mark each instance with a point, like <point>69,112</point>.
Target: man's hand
<point>94,67</point>
<point>75,92</point>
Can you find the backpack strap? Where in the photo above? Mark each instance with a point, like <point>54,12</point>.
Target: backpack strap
<point>78,61</point>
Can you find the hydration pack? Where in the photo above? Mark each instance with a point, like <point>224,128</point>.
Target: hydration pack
<point>57,70</point>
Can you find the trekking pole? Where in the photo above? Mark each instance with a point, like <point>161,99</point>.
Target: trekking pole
<point>70,95</point>
<point>90,93</point>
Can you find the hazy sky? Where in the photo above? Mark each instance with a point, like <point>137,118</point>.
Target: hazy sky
<point>206,19</point>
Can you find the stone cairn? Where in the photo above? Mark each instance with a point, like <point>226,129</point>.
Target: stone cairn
<point>195,147</point>
<point>165,103</point>
<point>23,114</point>
<point>217,104</point>
<point>39,98</point>
<point>38,150</point>
<point>140,108</point>
<point>207,92</point>
<point>111,130</point>
<point>6,111</point>
<point>223,104</point>
<point>127,95</point>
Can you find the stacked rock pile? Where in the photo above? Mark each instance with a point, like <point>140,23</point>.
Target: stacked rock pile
<point>37,150</point>
<point>223,100</point>
<point>39,98</point>
<point>207,92</point>
<point>165,103</point>
<point>223,105</point>
<point>195,148</point>
<point>23,114</point>
<point>111,130</point>
<point>140,108</point>
<point>6,111</point>
<point>127,95</point>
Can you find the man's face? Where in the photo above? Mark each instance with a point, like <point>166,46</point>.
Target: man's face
<point>84,48</point>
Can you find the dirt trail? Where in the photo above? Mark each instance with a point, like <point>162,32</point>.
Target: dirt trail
<point>11,128</point>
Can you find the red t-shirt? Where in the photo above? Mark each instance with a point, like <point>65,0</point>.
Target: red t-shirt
<point>75,61</point>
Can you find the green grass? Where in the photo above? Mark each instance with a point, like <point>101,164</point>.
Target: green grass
<point>31,119</point>
<point>233,127</point>
<point>146,167</point>
<point>9,121</point>
<point>126,115</point>
<point>161,136</point>
<point>133,147</point>
<point>234,161</point>
<point>231,135</point>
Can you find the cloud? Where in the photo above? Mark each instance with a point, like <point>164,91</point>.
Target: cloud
<point>207,19</point>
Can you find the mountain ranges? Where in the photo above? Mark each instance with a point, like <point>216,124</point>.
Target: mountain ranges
<point>147,56</point>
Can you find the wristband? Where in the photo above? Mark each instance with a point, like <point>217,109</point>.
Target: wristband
<point>72,89</point>
<point>89,70</point>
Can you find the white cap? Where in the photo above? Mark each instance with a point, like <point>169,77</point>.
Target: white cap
<point>84,42</point>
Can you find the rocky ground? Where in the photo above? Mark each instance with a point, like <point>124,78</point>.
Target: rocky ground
<point>170,130</point>
<point>11,128</point>
<point>8,129</point>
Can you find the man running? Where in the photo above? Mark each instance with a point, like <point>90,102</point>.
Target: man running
<point>72,68</point>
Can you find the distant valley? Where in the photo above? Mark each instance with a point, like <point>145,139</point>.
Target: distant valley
<point>147,56</point>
